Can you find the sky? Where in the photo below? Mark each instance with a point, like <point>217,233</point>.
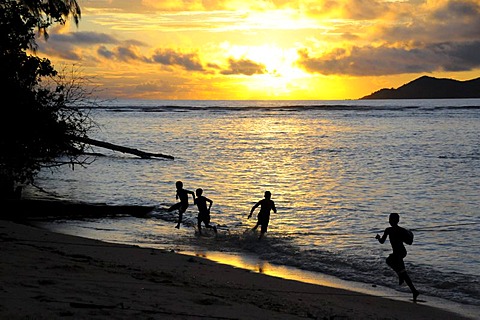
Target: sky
<point>262,50</point>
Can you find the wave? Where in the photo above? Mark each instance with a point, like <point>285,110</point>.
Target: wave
<point>368,269</point>
<point>362,266</point>
<point>285,105</point>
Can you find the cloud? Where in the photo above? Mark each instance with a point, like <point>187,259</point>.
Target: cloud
<point>206,44</point>
<point>243,66</point>
<point>83,38</point>
<point>457,9</point>
<point>364,9</point>
<point>385,60</point>
<point>203,5</point>
<point>105,52</point>
<point>74,45</point>
<point>448,21</point>
<point>126,53</point>
<point>169,57</point>
<point>158,87</point>
<point>121,53</point>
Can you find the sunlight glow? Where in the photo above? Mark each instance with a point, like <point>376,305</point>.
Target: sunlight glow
<point>266,268</point>
<point>261,266</point>
<point>280,71</point>
<point>262,49</point>
<point>279,20</point>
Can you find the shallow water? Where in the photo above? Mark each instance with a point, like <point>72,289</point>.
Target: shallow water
<point>336,169</point>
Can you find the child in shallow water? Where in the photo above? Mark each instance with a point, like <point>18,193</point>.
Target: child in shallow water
<point>263,217</point>
<point>397,236</point>
<point>181,206</point>
<point>203,210</point>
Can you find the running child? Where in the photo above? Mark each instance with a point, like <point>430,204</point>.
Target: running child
<point>203,211</point>
<point>181,206</point>
<point>398,236</point>
<point>263,217</point>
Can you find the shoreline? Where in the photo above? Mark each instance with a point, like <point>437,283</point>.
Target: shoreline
<point>316,278</point>
<point>250,261</point>
<point>50,275</point>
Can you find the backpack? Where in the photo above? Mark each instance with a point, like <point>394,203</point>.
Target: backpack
<point>408,236</point>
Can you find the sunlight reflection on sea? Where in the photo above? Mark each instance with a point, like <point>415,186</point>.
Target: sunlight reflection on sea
<point>335,173</point>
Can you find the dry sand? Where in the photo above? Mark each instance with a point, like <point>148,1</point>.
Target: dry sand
<point>45,275</point>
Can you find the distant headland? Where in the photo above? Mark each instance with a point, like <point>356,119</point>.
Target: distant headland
<point>430,88</point>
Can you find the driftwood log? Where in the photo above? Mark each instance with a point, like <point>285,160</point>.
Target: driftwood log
<point>31,209</point>
<point>111,146</point>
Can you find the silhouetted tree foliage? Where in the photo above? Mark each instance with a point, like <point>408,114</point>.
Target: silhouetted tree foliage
<point>48,12</point>
<point>42,111</point>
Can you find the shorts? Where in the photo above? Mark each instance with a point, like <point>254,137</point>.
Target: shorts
<point>396,262</point>
<point>263,220</point>
<point>205,217</point>
<point>182,207</point>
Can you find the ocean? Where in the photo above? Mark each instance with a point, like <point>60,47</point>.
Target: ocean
<point>336,170</point>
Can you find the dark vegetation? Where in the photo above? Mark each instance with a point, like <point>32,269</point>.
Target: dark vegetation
<point>45,118</point>
<point>431,88</point>
<point>41,116</point>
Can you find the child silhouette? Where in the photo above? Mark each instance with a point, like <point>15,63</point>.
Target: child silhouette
<point>397,236</point>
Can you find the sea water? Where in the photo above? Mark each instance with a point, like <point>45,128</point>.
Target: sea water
<point>336,170</point>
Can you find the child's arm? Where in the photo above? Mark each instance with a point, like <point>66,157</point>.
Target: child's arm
<point>193,195</point>
<point>253,209</point>
<point>382,238</point>
<point>210,203</point>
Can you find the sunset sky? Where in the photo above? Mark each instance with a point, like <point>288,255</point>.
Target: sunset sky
<point>278,49</point>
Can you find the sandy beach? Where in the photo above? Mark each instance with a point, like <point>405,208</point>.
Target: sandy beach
<point>45,275</point>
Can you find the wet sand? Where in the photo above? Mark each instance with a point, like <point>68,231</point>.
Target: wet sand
<point>46,275</point>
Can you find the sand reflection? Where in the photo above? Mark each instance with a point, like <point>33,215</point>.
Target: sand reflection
<point>260,266</point>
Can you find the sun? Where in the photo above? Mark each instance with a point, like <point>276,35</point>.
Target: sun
<point>271,40</point>
<point>280,74</point>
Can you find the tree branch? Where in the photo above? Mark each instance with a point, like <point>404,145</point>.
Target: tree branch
<point>111,146</point>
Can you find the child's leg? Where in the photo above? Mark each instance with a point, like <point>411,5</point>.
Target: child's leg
<point>180,216</point>
<point>174,207</point>
<point>211,227</point>
<point>409,283</point>
<point>396,263</point>
<point>263,230</point>
<point>206,221</point>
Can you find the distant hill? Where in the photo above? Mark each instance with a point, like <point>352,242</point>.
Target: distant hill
<point>430,88</point>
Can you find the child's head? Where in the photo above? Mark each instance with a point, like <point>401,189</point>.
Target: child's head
<point>268,195</point>
<point>199,192</point>
<point>393,219</point>
<point>179,184</point>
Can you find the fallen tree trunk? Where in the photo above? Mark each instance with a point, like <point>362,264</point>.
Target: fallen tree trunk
<point>111,146</point>
<point>45,208</point>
